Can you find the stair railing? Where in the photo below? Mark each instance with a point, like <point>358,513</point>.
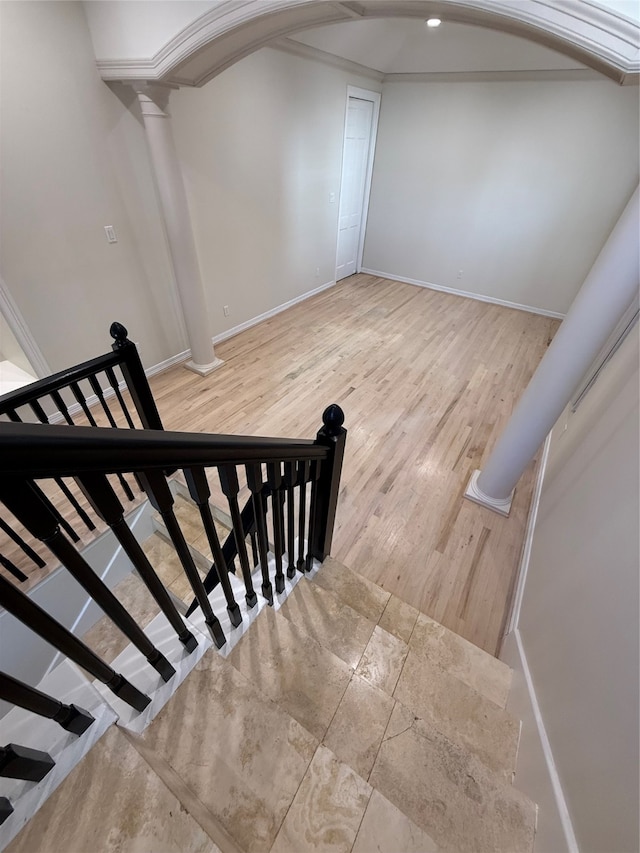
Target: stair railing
<point>89,393</point>
<point>297,480</point>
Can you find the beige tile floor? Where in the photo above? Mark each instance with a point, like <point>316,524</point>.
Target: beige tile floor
<point>125,806</point>
<point>322,731</point>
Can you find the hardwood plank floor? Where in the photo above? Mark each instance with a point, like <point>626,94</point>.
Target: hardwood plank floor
<point>427,381</point>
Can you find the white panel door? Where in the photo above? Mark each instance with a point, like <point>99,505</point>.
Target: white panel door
<point>355,160</point>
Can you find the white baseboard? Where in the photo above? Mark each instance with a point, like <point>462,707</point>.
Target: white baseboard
<point>536,772</point>
<point>235,330</point>
<point>229,333</point>
<point>523,568</point>
<point>479,297</point>
<point>185,355</point>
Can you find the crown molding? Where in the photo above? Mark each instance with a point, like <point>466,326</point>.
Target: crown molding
<point>603,40</point>
<point>296,48</point>
<point>533,75</point>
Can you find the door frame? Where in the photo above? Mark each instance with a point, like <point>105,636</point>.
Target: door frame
<point>375,98</point>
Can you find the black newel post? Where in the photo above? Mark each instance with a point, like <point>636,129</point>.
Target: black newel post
<point>332,436</point>
<point>135,377</point>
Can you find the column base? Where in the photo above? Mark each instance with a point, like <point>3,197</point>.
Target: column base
<point>204,369</point>
<point>473,493</point>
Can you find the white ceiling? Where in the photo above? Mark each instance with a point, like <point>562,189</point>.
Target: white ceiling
<point>406,46</point>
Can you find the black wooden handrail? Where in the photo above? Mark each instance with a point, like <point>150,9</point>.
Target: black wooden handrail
<point>42,387</point>
<point>42,450</point>
<point>124,355</point>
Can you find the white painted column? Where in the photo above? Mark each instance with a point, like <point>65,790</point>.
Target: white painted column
<point>605,295</point>
<point>175,209</point>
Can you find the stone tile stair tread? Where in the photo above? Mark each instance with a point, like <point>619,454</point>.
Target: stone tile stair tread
<point>188,516</point>
<point>165,561</point>
<point>459,712</point>
<point>448,792</point>
<point>112,801</point>
<point>324,616</point>
<point>469,663</point>
<point>239,752</point>
<point>353,589</point>
<point>290,667</point>
<point>472,665</point>
<point>104,637</point>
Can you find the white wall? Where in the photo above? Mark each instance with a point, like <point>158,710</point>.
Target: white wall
<point>261,149</point>
<point>139,28</point>
<point>517,184</point>
<point>578,625</point>
<point>73,161</point>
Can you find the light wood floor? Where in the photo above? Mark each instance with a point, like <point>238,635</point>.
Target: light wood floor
<point>427,381</point>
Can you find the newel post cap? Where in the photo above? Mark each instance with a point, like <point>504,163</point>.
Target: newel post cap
<point>333,418</point>
<point>119,334</point>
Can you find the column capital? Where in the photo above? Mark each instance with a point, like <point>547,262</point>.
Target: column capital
<point>153,98</point>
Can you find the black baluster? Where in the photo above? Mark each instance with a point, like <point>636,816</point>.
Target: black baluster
<point>39,621</point>
<point>21,762</point>
<point>230,488</point>
<point>28,550</point>
<point>76,390</point>
<point>254,548</point>
<point>274,478</point>
<point>13,569</point>
<point>333,436</point>
<point>15,417</point>
<point>56,396</point>
<point>303,476</point>
<point>113,381</point>
<point>62,521</point>
<point>77,393</point>
<point>135,377</point>
<point>70,717</point>
<point>96,387</point>
<point>315,476</point>
<point>106,503</point>
<point>290,481</point>
<point>200,493</point>
<point>43,418</point>
<point>159,494</point>
<point>255,483</point>
<point>18,496</point>
<point>6,809</point>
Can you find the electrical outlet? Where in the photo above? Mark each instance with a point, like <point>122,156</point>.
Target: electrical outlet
<point>459,274</point>
<point>226,310</point>
<point>332,198</point>
<point>317,272</point>
<point>109,230</point>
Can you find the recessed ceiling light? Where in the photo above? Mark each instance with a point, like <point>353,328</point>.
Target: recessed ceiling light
<point>433,22</point>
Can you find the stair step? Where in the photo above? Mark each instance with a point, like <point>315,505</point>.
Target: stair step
<point>190,522</point>
<point>470,664</point>
<point>307,680</point>
<point>162,556</point>
<point>113,801</point>
<point>241,754</point>
<point>448,792</point>
<point>104,638</point>
<point>413,673</point>
<point>67,684</point>
<point>323,616</point>
<point>353,589</point>
<point>460,713</point>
